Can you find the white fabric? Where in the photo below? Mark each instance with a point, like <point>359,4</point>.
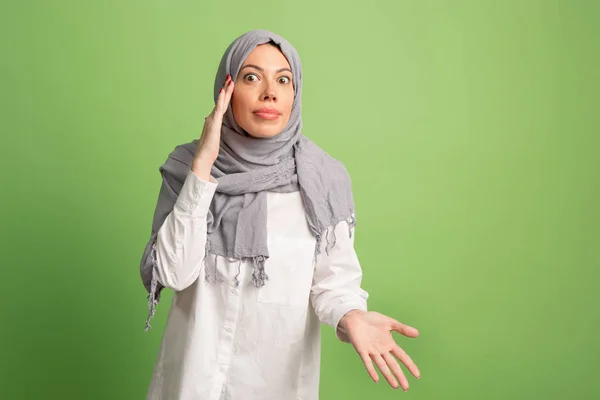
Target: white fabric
<point>224,341</point>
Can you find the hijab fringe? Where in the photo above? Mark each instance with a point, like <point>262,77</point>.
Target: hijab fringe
<point>259,276</point>
<point>153,297</point>
<point>350,221</point>
<point>206,271</point>
<point>236,280</point>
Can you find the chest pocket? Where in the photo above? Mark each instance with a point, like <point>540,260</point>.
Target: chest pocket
<point>290,269</point>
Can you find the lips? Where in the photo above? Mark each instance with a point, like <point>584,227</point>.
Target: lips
<point>267,113</point>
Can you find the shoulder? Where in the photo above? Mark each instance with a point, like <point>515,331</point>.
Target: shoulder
<point>184,153</point>
<point>321,158</point>
<point>325,172</point>
<point>179,160</point>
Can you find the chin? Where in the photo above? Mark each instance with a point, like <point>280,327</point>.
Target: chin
<point>264,132</point>
<point>262,129</point>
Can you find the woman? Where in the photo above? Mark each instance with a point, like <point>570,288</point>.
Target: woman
<point>253,230</point>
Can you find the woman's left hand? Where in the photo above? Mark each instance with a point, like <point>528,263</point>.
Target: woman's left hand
<point>371,335</point>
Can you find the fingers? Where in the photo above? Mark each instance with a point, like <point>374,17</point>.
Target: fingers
<point>404,329</point>
<point>218,110</point>
<point>229,90</point>
<point>224,97</point>
<point>389,367</point>
<point>396,370</point>
<point>406,360</point>
<point>369,366</point>
<point>383,367</point>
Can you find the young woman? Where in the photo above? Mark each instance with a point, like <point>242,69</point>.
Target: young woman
<point>253,230</point>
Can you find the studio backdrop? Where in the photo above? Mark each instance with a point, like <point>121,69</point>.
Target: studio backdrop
<point>469,129</point>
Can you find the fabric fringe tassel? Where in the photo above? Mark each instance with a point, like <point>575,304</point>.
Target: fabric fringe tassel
<point>235,279</point>
<point>350,221</point>
<point>153,299</point>
<point>259,276</point>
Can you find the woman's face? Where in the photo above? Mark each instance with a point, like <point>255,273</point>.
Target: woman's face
<point>264,94</point>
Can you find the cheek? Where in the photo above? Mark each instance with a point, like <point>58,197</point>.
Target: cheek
<point>242,99</point>
<point>236,102</point>
<point>240,114</point>
<point>288,103</point>
<point>239,106</point>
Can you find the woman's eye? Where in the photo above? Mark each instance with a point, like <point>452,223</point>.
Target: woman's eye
<point>284,79</point>
<point>251,78</point>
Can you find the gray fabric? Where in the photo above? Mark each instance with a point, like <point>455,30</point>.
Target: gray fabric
<point>246,169</point>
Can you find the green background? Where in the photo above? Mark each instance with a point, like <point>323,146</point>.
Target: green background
<point>470,130</point>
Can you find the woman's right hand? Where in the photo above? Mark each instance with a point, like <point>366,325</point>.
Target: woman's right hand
<point>210,140</point>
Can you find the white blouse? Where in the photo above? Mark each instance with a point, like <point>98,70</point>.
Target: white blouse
<point>225,341</point>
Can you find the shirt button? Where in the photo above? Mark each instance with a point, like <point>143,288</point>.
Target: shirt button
<point>233,291</point>
<point>222,368</point>
<point>228,329</point>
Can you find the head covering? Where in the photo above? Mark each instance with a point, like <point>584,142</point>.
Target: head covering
<point>247,168</point>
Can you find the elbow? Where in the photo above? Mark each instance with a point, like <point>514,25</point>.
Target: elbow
<point>171,270</point>
<point>174,283</point>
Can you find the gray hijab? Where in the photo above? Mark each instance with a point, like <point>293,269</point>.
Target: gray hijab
<point>246,169</point>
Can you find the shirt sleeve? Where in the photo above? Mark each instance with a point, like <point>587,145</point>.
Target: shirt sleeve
<point>175,250</point>
<point>337,280</point>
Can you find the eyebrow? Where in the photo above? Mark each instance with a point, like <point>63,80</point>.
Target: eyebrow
<point>262,69</point>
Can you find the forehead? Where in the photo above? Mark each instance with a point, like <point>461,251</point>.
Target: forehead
<point>267,56</point>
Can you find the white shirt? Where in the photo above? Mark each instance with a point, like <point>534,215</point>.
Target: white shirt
<point>225,341</point>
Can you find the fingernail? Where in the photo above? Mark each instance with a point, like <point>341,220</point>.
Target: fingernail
<point>230,82</point>
<point>227,77</point>
<point>221,91</point>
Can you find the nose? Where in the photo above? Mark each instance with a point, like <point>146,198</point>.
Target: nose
<point>268,93</point>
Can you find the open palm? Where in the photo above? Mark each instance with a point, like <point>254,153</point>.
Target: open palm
<point>371,335</point>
